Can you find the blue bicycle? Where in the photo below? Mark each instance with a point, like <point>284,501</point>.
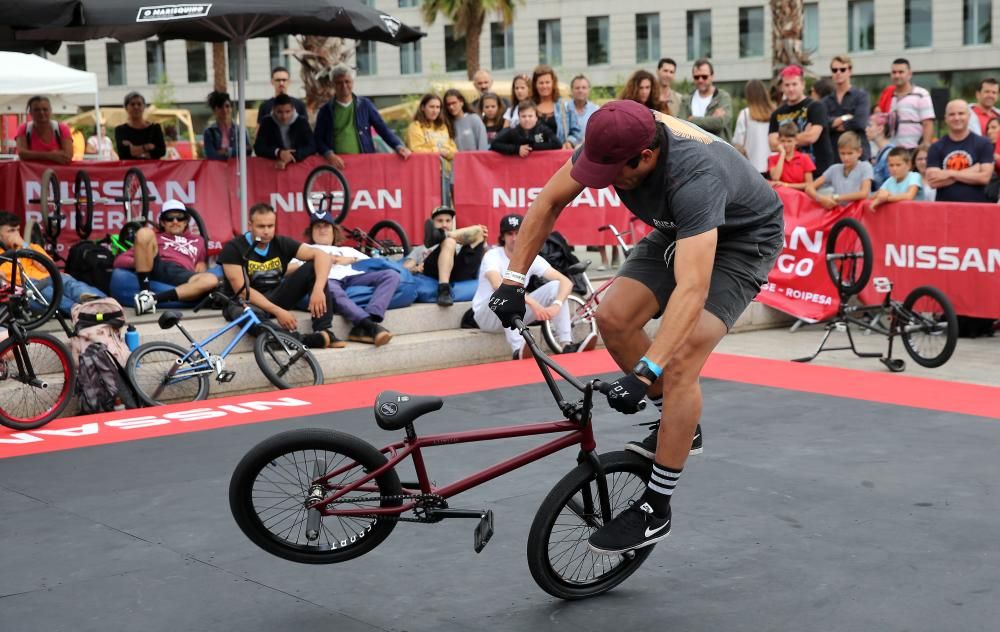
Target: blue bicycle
<point>164,372</point>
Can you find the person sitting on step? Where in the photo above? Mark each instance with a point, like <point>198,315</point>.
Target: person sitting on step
<point>450,255</point>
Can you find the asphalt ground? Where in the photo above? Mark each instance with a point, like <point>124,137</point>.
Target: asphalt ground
<point>806,512</point>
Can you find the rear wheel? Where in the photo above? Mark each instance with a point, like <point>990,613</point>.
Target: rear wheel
<point>285,361</point>
<point>159,377</point>
<point>36,381</point>
<point>26,293</point>
<point>929,327</point>
<point>849,256</point>
<point>135,196</point>
<point>273,483</point>
<point>387,239</point>
<point>83,204</point>
<point>559,557</point>
<point>326,191</point>
<point>581,323</point>
<point>199,224</point>
<point>50,204</point>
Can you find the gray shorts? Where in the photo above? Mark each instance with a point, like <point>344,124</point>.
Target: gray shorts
<point>740,269</point>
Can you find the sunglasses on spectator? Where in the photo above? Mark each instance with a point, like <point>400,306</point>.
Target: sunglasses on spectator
<point>174,218</point>
<point>843,69</point>
<point>701,77</point>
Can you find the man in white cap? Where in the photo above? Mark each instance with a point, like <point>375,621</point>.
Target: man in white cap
<point>718,231</point>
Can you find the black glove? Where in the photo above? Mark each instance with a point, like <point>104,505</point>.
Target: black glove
<point>507,303</point>
<point>626,393</point>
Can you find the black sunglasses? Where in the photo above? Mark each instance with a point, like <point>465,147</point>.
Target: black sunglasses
<point>844,69</point>
<point>697,77</point>
<point>173,218</point>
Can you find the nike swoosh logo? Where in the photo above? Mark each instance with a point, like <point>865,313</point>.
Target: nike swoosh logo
<point>663,526</point>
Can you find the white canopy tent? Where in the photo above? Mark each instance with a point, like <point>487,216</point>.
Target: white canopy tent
<point>27,75</point>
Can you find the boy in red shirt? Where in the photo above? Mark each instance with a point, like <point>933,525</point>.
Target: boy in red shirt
<point>788,167</point>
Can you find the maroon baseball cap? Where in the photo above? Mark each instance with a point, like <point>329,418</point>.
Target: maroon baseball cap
<point>615,133</point>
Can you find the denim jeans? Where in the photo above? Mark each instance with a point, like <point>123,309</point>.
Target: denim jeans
<point>72,291</point>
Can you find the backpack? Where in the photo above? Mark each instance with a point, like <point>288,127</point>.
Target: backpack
<point>557,251</point>
<point>100,352</point>
<point>92,263</point>
<point>55,132</point>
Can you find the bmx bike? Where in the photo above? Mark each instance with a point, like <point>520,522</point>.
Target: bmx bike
<point>326,191</point>
<point>925,320</point>
<point>320,497</point>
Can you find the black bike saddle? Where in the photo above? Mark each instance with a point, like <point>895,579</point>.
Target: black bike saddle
<point>395,410</point>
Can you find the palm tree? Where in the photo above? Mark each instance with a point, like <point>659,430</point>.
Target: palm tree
<point>219,78</point>
<point>786,35</point>
<point>318,56</point>
<point>468,17</point>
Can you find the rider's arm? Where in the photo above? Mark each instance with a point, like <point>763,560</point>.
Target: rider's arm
<point>694,259</point>
<point>321,263</point>
<point>560,190</point>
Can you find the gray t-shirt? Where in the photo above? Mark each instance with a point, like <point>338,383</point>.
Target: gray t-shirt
<point>700,182</point>
<point>851,183</point>
<point>470,134</point>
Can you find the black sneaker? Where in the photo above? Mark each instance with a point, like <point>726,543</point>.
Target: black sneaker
<point>587,344</point>
<point>647,447</point>
<point>444,295</point>
<point>633,528</point>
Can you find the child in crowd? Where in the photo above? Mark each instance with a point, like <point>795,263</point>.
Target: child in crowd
<point>878,134</point>
<point>902,184</point>
<point>920,166</point>
<point>789,167</point>
<point>492,113</point>
<point>851,180</point>
<point>527,136</point>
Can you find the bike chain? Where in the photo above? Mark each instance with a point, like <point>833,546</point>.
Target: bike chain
<point>433,498</point>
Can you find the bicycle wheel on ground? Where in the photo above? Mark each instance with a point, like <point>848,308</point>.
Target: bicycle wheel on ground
<point>159,377</point>
<point>36,381</point>
<point>581,323</point>
<point>558,555</point>
<point>849,256</point>
<point>274,481</point>
<point>31,298</point>
<point>285,361</point>
<point>928,326</point>
<point>135,195</point>
<point>387,239</point>
<point>83,204</point>
<point>326,191</point>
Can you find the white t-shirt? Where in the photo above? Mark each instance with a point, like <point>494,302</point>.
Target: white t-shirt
<point>496,259</point>
<point>699,104</point>
<point>338,271</point>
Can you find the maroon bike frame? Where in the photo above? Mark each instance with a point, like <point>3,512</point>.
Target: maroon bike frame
<point>579,434</point>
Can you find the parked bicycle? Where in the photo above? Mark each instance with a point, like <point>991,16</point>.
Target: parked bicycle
<point>925,321</point>
<point>318,496</point>
<point>36,372</point>
<point>162,372</point>
<point>326,191</point>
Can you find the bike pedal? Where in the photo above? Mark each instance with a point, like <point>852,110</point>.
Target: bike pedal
<point>226,377</point>
<point>484,530</point>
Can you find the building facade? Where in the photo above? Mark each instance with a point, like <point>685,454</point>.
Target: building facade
<point>607,42</point>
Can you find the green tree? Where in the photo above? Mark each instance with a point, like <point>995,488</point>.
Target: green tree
<point>468,17</point>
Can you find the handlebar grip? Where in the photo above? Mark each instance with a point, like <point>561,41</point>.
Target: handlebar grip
<point>604,228</point>
<point>203,301</point>
<point>604,387</point>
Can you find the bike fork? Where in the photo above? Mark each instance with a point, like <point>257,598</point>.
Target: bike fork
<point>603,497</point>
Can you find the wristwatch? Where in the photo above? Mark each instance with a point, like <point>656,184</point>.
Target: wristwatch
<point>645,371</point>
<point>836,197</point>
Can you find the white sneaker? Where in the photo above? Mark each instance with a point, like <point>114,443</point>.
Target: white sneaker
<point>145,303</point>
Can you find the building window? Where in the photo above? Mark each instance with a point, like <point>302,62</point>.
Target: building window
<point>454,50</point>
<point>597,40</point>
<point>861,25</point>
<point>76,56</point>
<point>231,57</point>
<point>196,62</point>
<point>115,52</point>
<point>156,63</point>
<point>699,34</point>
<point>647,37</point>
<point>752,32</point>
<point>409,59</point>
<point>977,25</point>
<point>550,42</point>
<point>810,26</point>
<point>917,18</point>
<point>276,45</point>
<point>406,4</point>
<point>364,53</point>
<point>501,46</point>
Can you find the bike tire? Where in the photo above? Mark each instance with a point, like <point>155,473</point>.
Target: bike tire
<point>26,303</point>
<point>200,223</point>
<point>920,328</point>
<point>49,203</point>
<point>134,183</point>
<point>842,265</point>
<point>326,191</point>
<point>389,239</point>
<point>42,404</point>
<point>285,361</point>
<point>626,475</point>
<point>147,373</point>
<point>581,324</point>
<point>293,478</point>
<point>83,204</point>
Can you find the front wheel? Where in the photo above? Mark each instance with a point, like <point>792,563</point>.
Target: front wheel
<point>36,381</point>
<point>274,482</point>
<point>159,376</point>
<point>286,362</point>
<point>135,195</point>
<point>581,323</point>
<point>928,326</point>
<point>558,555</point>
<point>849,256</point>
<point>387,239</point>
<point>326,191</point>
<point>83,204</point>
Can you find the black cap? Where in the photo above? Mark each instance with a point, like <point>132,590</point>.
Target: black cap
<point>511,222</point>
<point>323,217</point>
<point>442,210</point>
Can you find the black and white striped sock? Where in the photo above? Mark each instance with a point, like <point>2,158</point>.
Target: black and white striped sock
<point>660,488</point>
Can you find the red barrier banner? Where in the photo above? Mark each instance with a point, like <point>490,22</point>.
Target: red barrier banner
<point>489,185</point>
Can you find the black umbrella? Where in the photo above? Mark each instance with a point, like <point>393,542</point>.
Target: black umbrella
<point>31,15</point>
<point>218,21</point>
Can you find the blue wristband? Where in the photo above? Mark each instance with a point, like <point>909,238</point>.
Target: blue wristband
<point>654,367</point>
